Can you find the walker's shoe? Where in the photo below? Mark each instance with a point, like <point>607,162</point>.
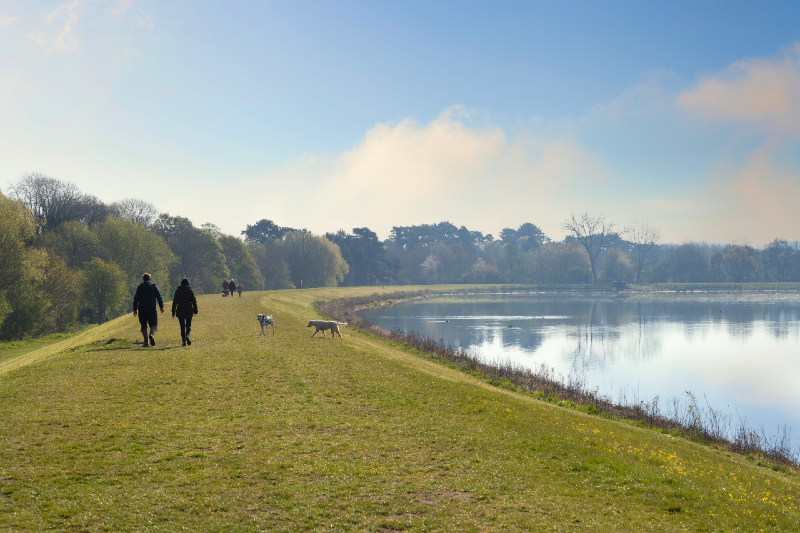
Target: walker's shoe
<point>188,341</point>
<point>184,343</point>
<point>152,340</point>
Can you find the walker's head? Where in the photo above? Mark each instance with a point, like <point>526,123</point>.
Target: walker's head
<point>184,282</point>
<point>146,276</point>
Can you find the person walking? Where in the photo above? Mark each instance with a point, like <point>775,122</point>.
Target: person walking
<point>144,304</point>
<point>184,306</point>
<point>224,287</point>
<point>232,287</point>
<point>239,290</point>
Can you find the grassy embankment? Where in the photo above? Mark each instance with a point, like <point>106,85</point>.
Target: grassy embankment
<point>14,349</point>
<point>246,433</point>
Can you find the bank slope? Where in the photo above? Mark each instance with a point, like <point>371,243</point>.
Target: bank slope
<point>246,433</point>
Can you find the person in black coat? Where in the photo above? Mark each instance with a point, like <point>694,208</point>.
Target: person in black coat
<point>184,306</point>
<point>144,303</point>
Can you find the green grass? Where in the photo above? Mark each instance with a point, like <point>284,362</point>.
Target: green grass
<point>13,349</point>
<point>246,433</point>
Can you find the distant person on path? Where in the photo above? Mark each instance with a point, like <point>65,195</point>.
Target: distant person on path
<point>224,287</point>
<point>184,306</point>
<point>144,303</point>
<point>232,287</point>
<point>239,290</point>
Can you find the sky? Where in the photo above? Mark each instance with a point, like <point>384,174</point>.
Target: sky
<point>336,115</point>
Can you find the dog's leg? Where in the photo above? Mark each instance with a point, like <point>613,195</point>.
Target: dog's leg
<point>273,329</point>
<point>315,333</point>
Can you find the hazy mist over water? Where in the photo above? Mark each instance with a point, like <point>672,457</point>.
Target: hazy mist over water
<point>742,352</point>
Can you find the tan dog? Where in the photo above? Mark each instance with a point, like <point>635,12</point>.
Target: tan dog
<point>323,325</point>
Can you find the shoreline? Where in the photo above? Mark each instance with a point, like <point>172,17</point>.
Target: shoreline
<point>693,421</point>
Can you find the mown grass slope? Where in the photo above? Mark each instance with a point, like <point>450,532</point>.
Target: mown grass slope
<point>246,433</point>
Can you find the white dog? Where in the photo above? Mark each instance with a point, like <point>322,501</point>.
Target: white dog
<point>265,322</point>
<point>323,325</point>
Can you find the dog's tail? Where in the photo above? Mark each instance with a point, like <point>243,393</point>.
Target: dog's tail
<point>342,323</point>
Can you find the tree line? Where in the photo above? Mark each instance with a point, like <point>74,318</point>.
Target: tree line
<point>67,258</point>
<point>594,250</point>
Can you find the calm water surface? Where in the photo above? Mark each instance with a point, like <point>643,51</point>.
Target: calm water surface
<point>742,352</point>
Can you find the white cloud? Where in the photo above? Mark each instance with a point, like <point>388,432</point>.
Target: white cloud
<point>409,173</point>
<point>62,38</point>
<point>757,200</point>
<point>760,200</point>
<point>144,21</point>
<point>64,22</point>
<point>121,7</point>
<point>652,93</point>
<point>764,91</point>
<point>752,202</point>
<point>7,20</point>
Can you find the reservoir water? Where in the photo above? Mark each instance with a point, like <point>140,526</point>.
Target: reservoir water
<point>739,352</point>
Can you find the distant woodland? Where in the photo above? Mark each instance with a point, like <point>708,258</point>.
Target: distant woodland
<point>67,258</point>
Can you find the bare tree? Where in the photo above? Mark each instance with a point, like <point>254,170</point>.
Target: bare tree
<point>645,239</point>
<point>135,210</point>
<point>50,200</point>
<point>594,233</point>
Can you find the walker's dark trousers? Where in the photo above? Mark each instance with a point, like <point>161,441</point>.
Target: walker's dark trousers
<point>148,318</point>
<point>186,327</point>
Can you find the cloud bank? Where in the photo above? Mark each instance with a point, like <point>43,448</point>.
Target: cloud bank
<point>764,91</point>
<point>410,173</point>
<point>758,199</point>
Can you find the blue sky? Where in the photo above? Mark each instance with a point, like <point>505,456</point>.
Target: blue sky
<point>336,115</point>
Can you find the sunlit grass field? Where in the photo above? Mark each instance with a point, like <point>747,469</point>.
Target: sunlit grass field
<point>246,433</point>
<point>14,349</point>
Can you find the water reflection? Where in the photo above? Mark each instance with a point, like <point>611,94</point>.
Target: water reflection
<point>741,352</point>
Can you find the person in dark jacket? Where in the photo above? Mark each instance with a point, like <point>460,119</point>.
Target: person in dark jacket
<point>184,306</point>
<point>144,303</point>
<point>232,287</point>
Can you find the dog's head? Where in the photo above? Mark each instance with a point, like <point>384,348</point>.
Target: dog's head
<point>260,317</point>
<point>310,324</point>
